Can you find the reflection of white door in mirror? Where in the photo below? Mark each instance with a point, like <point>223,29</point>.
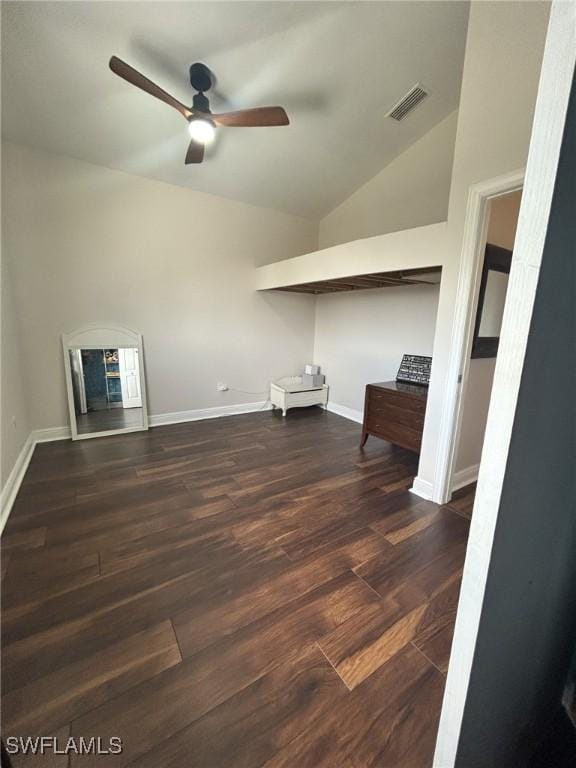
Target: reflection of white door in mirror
<point>129,378</point>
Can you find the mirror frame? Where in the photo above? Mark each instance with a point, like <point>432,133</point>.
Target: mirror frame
<point>103,336</point>
<point>499,260</point>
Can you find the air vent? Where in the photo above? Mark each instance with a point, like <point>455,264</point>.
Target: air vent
<point>407,103</point>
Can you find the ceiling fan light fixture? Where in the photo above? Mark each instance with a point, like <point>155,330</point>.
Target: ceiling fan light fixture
<point>201,129</point>
<point>201,121</point>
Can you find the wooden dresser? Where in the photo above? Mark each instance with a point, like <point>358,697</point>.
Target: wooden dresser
<point>395,412</point>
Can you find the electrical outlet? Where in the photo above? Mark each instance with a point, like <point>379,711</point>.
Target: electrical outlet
<point>221,387</point>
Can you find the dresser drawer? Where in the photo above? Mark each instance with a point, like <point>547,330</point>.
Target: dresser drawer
<point>397,434</point>
<point>383,411</point>
<point>377,395</point>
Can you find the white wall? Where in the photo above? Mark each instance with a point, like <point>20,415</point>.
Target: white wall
<point>362,335</point>
<point>86,243</point>
<point>504,50</point>
<point>411,191</point>
<point>14,411</point>
<point>503,219</point>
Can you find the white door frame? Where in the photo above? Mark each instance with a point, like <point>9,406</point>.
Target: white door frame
<point>472,258</point>
<point>81,383</point>
<point>556,78</point>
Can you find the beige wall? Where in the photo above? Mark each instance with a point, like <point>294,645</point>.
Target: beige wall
<point>504,220</point>
<point>504,50</point>
<point>501,231</point>
<point>362,335</point>
<point>411,191</point>
<point>87,243</point>
<point>14,422</point>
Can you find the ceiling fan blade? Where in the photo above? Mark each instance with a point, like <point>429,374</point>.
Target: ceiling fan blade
<point>134,77</point>
<point>252,118</point>
<point>195,153</point>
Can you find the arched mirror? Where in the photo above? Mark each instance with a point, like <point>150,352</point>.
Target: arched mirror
<point>104,367</point>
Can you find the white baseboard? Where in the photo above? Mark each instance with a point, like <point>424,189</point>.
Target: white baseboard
<point>347,413</point>
<point>198,414</point>
<point>178,417</point>
<point>12,484</point>
<point>425,489</point>
<point>464,477</point>
<point>422,488</point>
<point>50,434</point>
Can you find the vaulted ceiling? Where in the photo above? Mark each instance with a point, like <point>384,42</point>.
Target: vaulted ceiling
<point>337,68</point>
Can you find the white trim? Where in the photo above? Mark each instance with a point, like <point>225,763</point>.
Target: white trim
<point>422,488</point>
<point>108,432</point>
<point>97,335</point>
<point>405,249</point>
<point>556,80</point>
<point>465,477</point>
<point>198,414</point>
<point>347,413</point>
<point>14,481</point>
<point>50,434</point>
<point>475,231</point>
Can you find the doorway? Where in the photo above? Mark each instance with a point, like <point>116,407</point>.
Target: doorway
<point>486,310</point>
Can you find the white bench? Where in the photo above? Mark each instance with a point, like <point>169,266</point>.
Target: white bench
<point>291,393</point>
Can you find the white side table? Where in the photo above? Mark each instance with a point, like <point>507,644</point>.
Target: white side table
<point>291,393</point>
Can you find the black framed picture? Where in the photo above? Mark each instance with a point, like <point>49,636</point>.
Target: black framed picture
<point>491,299</point>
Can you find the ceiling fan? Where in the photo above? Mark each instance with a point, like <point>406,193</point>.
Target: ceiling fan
<point>202,122</point>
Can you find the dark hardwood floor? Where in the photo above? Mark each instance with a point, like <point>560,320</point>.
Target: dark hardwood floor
<point>241,592</point>
<point>462,501</point>
<point>113,418</point>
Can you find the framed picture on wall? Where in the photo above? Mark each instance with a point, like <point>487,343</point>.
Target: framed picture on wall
<point>491,300</point>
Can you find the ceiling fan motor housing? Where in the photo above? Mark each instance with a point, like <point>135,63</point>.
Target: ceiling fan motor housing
<point>200,103</point>
<point>201,78</point>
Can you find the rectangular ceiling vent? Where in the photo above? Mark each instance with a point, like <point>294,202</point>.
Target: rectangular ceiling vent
<point>407,103</point>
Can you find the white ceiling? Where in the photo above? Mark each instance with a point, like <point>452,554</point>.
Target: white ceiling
<point>337,68</point>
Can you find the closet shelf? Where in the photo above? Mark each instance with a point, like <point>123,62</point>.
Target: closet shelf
<point>422,276</point>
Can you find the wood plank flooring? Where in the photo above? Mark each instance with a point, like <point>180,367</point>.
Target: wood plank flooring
<point>110,418</point>
<point>462,500</point>
<point>243,592</point>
